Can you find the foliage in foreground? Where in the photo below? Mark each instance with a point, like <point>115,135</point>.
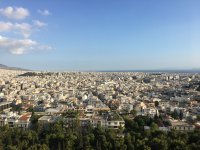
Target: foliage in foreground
<point>58,137</point>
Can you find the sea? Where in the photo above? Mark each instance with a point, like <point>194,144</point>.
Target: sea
<point>155,71</point>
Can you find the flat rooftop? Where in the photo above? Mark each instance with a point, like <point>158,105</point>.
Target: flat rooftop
<point>4,103</point>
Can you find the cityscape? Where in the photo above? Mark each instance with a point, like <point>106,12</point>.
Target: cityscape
<point>99,75</point>
<point>166,102</point>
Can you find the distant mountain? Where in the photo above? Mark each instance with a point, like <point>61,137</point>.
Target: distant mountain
<point>11,68</point>
<point>3,66</point>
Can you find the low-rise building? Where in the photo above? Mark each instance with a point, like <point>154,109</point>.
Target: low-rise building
<point>181,126</point>
<point>114,121</point>
<point>5,105</point>
<point>44,120</point>
<point>24,121</point>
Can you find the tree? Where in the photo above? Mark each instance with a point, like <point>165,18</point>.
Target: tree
<point>198,117</point>
<point>57,136</point>
<point>30,109</point>
<point>142,144</point>
<point>38,147</point>
<point>133,112</point>
<point>140,120</point>
<point>9,147</point>
<point>181,115</point>
<point>128,142</point>
<point>194,146</point>
<point>177,144</point>
<point>131,125</point>
<point>158,143</point>
<point>154,127</point>
<point>175,114</point>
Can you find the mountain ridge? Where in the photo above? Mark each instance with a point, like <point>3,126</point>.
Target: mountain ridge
<point>2,66</point>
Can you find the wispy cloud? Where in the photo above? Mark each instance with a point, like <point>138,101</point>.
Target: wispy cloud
<point>38,23</point>
<point>45,47</point>
<point>14,12</point>
<point>44,12</point>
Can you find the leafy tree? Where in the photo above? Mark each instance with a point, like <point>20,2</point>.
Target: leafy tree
<point>175,114</point>
<point>194,146</point>
<point>176,144</point>
<point>142,144</point>
<point>198,117</point>
<point>9,147</point>
<point>159,143</point>
<point>128,142</point>
<point>181,115</point>
<point>38,147</point>
<point>60,137</point>
<point>154,127</point>
<point>133,112</point>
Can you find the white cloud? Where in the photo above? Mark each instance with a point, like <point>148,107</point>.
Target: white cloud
<point>14,12</point>
<point>16,46</point>
<point>20,46</point>
<point>25,29</point>
<point>44,12</point>
<point>22,28</point>
<point>5,26</point>
<point>38,23</point>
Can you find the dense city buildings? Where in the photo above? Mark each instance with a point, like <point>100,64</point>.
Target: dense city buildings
<point>72,106</point>
<point>100,97</point>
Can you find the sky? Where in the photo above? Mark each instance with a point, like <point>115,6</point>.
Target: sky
<point>87,35</point>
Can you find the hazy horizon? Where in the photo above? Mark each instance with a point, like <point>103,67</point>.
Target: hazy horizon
<point>100,35</point>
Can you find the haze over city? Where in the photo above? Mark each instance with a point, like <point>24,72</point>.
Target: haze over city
<point>100,34</point>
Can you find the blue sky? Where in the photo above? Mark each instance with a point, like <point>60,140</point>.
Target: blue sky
<point>100,34</point>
